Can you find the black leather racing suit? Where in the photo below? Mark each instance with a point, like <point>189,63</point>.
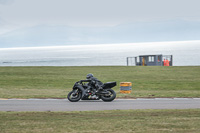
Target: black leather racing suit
<point>94,82</point>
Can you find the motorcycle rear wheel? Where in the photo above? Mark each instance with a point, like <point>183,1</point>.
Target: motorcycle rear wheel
<point>72,97</point>
<point>109,98</point>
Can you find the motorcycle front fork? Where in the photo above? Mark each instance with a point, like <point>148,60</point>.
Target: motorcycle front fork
<point>75,92</point>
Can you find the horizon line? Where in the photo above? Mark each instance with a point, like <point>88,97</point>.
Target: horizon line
<point>77,45</point>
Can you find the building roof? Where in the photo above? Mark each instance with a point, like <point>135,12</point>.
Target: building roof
<point>151,55</point>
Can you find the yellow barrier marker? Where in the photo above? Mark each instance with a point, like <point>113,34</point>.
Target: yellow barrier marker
<point>125,87</point>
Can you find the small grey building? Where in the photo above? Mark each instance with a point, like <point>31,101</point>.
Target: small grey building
<point>152,60</point>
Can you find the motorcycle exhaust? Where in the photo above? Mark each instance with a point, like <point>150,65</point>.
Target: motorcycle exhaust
<point>102,93</point>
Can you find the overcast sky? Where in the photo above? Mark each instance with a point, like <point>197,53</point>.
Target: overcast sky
<point>18,14</point>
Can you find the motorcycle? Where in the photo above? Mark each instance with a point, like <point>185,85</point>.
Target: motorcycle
<point>85,91</point>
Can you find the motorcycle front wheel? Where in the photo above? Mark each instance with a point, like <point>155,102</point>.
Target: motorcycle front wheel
<point>110,97</point>
<point>74,96</point>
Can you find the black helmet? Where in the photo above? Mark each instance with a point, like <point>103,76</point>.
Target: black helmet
<point>89,76</point>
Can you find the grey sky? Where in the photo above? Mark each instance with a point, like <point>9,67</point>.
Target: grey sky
<point>19,14</point>
<point>95,12</point>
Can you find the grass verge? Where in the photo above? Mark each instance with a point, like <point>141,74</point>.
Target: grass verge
<point>56,82</point>
<point>117,121</point>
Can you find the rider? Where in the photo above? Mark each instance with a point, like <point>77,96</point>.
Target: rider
<point>94,81</point>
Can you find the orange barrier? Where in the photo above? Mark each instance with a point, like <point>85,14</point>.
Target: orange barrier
<point>125,87</point>
<point>125,84</point>
<point>126,92</point>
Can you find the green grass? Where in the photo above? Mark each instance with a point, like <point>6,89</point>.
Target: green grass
<point>56,82</point>
<point>138,121</point>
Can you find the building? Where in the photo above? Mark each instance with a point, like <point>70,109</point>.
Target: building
<point>151,60</point>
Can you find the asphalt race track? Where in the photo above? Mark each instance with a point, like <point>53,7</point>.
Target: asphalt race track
<point>118,104</point>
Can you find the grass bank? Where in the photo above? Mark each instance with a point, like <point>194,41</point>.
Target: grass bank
<point>56,82</point>
<point>140,121</point>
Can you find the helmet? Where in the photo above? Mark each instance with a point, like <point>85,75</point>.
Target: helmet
<point>89,76</point>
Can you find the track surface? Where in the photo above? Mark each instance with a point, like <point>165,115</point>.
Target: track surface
<point>118,104</point>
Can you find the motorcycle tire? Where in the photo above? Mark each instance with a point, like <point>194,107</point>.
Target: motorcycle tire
<point>110,97</point>
<point>75,98</point>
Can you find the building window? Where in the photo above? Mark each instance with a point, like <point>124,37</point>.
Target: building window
<point>138,59</point>
<point>151,58</point>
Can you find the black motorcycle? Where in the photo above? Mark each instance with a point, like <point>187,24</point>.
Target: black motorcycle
<point>85,91</point>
